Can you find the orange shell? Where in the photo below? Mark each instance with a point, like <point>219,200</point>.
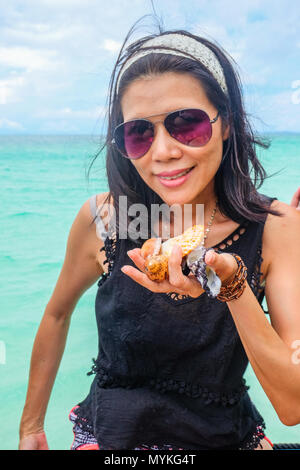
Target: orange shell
<point>157,267</point>
<point>157,254</point>
<point>151,247</point>
<point>188,241</point>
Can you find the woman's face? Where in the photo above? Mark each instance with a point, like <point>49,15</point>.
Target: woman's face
<point>158,96</point>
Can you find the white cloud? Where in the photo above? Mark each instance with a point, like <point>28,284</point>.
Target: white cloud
<point>7,124</point>
<point>111,45</point>
<point>27,58</point>
<point>64,49</point>
<point>68,113</point>
<point>279,112</point>
<point>9,89</point>
<point>216,32</point>
<point>67,3</point>
<point>40,33</point>
<point>63,127</point>
<point>252,77</point>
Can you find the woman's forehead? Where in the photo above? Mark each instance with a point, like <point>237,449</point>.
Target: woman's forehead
<point>160,94</point>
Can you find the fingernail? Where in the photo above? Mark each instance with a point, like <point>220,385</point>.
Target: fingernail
<point>210,257</point>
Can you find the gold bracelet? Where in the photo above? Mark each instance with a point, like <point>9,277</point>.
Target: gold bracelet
<point>237,286</point>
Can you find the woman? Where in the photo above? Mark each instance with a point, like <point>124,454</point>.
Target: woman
<point>169,372</point>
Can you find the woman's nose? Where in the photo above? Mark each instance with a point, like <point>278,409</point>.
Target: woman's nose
<point>164,147</point>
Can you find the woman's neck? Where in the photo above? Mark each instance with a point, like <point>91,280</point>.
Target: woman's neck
<point>180,218</point>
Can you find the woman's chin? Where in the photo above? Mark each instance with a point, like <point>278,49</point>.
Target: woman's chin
<point>176,199</point>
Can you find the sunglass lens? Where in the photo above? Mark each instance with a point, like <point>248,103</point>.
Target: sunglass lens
<point>190,127</point>
<point>134,138</point>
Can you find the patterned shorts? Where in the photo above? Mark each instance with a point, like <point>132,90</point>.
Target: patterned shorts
<point>84,440</point>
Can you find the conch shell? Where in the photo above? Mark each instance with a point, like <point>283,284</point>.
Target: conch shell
<point>207,277</point>
<point>157,253</point>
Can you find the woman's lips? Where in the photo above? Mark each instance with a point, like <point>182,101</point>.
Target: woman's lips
<point>177,181</point>
<point>174,172</point>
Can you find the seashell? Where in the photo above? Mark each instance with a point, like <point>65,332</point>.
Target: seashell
<point>207,277</point>
<point>157,267</point>
<point>189,240</point>
<point>151,247</point>
<point>157,254</point>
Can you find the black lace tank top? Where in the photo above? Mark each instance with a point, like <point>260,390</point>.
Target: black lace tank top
<point>169,367</point>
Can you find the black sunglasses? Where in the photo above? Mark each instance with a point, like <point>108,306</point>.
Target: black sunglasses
<point>191,127</point>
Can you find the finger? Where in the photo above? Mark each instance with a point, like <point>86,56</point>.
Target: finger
<point>142,279</point>
<point>224,264</point>
<point>195,288</point>
<point>135,256</point>
<point>176,277</point>
<point>187,285</point>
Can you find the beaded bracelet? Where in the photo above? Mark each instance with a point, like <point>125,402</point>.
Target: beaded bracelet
<point>237,286</point>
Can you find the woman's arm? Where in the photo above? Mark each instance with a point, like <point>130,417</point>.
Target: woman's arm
<point>295,202</point>
<point>80,270</point>
<point>271,347</point>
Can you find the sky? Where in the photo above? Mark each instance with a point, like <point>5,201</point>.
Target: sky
<point>56,57</point>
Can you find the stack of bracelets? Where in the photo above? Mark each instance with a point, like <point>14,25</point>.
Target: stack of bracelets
<point>236,287</point>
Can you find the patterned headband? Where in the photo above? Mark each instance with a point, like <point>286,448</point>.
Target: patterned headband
<point>187,46</point>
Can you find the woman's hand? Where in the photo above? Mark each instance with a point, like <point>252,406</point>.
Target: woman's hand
<point>295,202</point>
<point>223,264</point>
<point>37,441</point>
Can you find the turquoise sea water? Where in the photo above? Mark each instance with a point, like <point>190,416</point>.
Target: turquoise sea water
<point>43,185</point>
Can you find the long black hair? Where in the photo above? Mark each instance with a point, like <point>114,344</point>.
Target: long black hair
<point>240,174</point>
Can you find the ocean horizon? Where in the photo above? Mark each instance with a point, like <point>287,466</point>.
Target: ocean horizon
<point>43,185</point>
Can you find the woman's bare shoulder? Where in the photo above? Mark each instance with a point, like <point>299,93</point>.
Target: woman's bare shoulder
<point>289,216</point>
<point>281,232</point>
<point>102,198</point>
<point>86,214</point>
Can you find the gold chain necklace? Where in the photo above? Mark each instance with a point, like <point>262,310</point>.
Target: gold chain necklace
<point>209,223</point>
